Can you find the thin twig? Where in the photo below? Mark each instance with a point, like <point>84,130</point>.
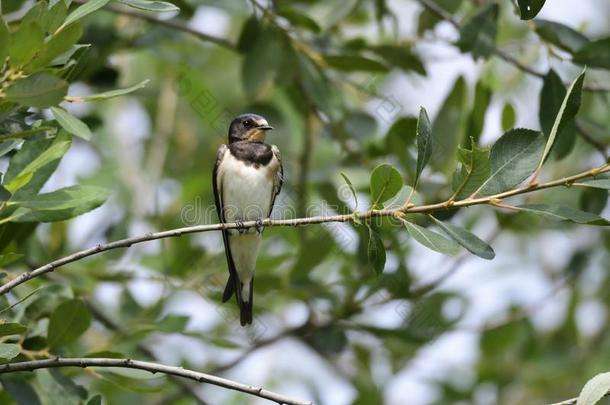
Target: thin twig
<point>153,368</point>
<point>185,387</point>
<point>175,24</point>
<point>355,217</point>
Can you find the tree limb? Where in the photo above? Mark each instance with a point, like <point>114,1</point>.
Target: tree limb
<point>354,217</point>
<point>153,368</point>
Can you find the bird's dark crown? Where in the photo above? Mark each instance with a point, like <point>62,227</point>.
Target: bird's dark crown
<point>248,127</point>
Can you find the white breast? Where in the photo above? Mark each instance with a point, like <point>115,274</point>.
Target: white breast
<point>246,190</point>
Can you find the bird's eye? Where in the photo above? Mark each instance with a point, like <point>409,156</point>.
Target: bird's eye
<point>248,123</point>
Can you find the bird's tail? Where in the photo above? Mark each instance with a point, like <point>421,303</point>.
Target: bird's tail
<point>245,307</point>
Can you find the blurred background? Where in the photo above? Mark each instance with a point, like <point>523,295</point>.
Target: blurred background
<point>342,83</point>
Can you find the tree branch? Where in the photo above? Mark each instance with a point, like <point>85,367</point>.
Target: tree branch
<point>153,368</point>
<point>354,217</point>
<point>175,24</point>
<point>184,386</point>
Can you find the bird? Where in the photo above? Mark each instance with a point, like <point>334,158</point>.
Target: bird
<point>247,177</point>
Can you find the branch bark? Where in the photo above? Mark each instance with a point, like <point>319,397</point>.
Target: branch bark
<point>354,217</point>
<point>153,368</point>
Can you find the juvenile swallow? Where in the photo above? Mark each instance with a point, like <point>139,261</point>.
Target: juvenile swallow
<point>247,177</point>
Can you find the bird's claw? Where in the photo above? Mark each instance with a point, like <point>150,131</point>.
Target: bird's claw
<point>240,227</point>
<point>259,226</point>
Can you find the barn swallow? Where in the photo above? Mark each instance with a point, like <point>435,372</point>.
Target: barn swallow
<point>247,178</point>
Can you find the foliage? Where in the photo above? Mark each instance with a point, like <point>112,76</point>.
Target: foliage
<point>113,112</point>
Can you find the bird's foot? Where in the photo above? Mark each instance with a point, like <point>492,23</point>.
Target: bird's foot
<point>240,227</point>
<point>259,226</point>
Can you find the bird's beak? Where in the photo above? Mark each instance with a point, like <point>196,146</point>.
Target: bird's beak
<point>265,127</point>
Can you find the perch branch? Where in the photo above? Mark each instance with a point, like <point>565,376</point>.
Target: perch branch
<point>354,217</point>
<point>153,368</point>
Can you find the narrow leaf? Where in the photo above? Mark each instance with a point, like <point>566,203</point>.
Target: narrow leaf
<point>560,35</point>
<point>594,54</point>
<point>599,183</point>
<point>350,63</point>
<point>376,251</point>
<point>351,188</point>
<point>82,11</point>
<point>11,328</point>
<point>431,240</point>
<point>112,93</point>
<point>468,240</point>
<point>561,213</point>
<point>568,110</point>
<point>478,34</point>
<point>25,43</point>
<point>157,6</point>
<point>71,124</point>
<point>424,143</point>
<point>594,390</point>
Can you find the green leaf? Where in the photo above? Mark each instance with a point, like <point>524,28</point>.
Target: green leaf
<point>476,118</point>
<point>57,45</point>
<point>82,11</point>
<point>11,328</point>
<point>513,159</point>
<point>399,139</point>
<point>261,62</point>
<point>71,124</point>
<point>351,187</point>
<point>21,392</point>
<point>599,183</point>
<point>472,172</point>
<point>8,351</point>
<point>68,321</point>
<point>4,194</point>
<point>560,35</point>
<point>551,97</point>
<point>386,182</point>
<point>478,34</point>
<point>400,57</point>
<point>468,240</point>
<point>352,63</point>
<point>25,43</point>
<point>375,251</point>
<point>530,8</point>
<point>297,18</point>
<point>61,204</point>
<point>593,200</point>
<point>567,111</point>
<point>39,90</point>
<point>319,88</point>
<point>424,143</point>
<point>594,390</point>
<point>172,324</point>
<point>56,16</point>
<point>594,54</point>
<point>157,6</point>
<point>8,258</point>
<point>112,93</point>
<point>448,127</point>
<point>17,180</point>
<point>508,117</point>
<point>431,240</point>
<point>5,40</point>
<point>95,400</point>
<point>560,213</point>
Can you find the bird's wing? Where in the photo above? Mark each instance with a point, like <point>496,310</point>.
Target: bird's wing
<point>217,186</point>
<point>278,180</point>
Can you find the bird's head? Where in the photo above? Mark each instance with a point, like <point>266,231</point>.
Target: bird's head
<point>248,127</point>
